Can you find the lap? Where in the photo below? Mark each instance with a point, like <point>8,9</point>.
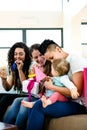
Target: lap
<point>60,109</point>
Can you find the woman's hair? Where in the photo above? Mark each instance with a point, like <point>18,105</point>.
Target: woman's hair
<point>47,44</point>
<point>62,66</point>
<point>34,47</point>
<point>47,71</point>
<point>47,68</point>
<point>27,62</point>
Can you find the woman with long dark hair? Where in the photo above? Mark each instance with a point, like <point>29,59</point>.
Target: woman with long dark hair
<point>18,68</point>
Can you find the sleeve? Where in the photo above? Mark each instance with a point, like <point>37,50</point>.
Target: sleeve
<point>67,82</point>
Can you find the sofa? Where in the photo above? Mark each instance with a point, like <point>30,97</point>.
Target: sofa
<point>73,122</point>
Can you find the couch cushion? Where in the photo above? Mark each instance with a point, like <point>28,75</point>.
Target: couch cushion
<point>74,122</point>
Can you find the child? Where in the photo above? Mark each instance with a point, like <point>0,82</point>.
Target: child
<point>60,69</point>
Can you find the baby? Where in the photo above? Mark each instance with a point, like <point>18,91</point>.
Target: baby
<point>59,70</point>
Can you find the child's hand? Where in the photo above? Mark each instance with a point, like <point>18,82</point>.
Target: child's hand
<point>45,79</point>
<point>48,84</point>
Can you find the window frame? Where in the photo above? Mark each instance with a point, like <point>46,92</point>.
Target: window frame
<point>24,33</point>
<point>83,23</point>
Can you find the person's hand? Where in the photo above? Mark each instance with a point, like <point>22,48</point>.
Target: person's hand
<point>19,64</point>
<point>74,93</point>
<point>3,73</point>
<point>31,71</point>
<point>48,84</point>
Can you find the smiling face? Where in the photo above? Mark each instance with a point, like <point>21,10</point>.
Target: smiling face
<point>53,54</point>
<point>36,56</point>
<point>19,54</point>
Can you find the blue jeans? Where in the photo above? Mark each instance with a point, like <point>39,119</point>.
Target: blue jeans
<point>37,115</point>
<point>6,99</point>
<point>17,114</point>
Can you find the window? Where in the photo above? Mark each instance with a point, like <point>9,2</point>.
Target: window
<point>84,39</point>
<point>37,36</point>
<point>9,37</point>
<point>27,35</point>
<point>84,33</point>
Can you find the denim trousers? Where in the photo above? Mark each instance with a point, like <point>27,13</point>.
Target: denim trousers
<point>37,115</point>
<point>17,114</point>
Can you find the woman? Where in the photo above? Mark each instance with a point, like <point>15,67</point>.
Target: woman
<point>18,67</point>
<point>19,114</point>
<point>52,51</point>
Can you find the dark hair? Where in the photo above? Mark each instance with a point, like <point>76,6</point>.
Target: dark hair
<point>27,62</point>
<point>44,45</point>
<point>34,47</point>
<point>47,69</point>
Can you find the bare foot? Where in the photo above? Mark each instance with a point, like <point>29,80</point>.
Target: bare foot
<point>45,102</point>
<point>27,104</point>
<point>43,98</point>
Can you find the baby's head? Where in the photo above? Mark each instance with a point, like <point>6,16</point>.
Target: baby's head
<point>60,67</point>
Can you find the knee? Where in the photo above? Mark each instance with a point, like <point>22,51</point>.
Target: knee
<point>26,99</point>
<point>17,100</point>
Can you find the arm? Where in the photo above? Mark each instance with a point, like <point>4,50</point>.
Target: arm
<point>77,79</point>
<point>62,90</point>
<point>22,75</point>
<point>20,70</point>
<point>70,85</point>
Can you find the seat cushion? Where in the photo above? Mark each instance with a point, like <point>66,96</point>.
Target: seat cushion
<point>74,122</point>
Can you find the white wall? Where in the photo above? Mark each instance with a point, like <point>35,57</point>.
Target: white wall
<point>30,19</point>
<point>72,28</point>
